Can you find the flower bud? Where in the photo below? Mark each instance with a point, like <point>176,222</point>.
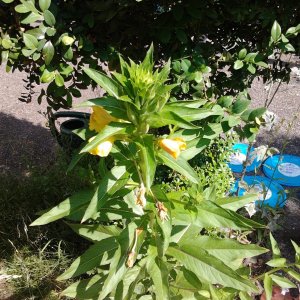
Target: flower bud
<point>140,196</point>
<point>100,118</point>
<point>103,149</point>
<point>173,146</point>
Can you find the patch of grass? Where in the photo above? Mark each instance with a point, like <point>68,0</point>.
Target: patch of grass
<point>22,248</point>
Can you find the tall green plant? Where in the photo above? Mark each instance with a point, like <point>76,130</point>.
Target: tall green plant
<point>147,244</point>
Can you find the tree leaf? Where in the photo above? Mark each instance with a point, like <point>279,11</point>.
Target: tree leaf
<point>240,106</point>
<point>30,41</point>
<point>159,273</point>
<point>242,53</point>
<point>180,165</point>
<point>49,18</point>
<point>44,4</point>
<point>59,80</point>
<point>275,249</point>
<point>275,31</point>
<point>207,266</point>
<point>277,262</point>
<point>238,64</point>
<point>48,52</point>
<point>22,9</point>
<point>31,18</point>
<point>90,259</point>
<point>108,84</point>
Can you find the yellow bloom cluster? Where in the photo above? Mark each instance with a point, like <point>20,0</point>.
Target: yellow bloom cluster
<point>100,118</point>
<point>103,149</point>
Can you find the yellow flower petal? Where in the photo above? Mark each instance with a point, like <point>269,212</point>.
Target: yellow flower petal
<point>173,146</point>
<point>103,149</point>
<point>100,118</point>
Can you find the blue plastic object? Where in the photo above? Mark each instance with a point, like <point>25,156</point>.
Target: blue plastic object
<point>283,169</point>
<point>239,156</point>
<point>272,191</point>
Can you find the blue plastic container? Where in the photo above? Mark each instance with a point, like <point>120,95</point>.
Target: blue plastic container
<point>283,169</point>
<point>239,156</point>
<point>275,195</point>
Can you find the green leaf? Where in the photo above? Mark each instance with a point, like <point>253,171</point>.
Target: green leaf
<point>180,165</point>
<point>240,106</point>
<point>68,54</point>
<point>176,66</point>
<point>235,203</point>
<point>159,273</point>
<point>22,9</point>
<point>283,282</point>
<point>242,54</point>
<point>209,214</point>
<point>7,43</point>
<point>27,53</point>
<point>185,65</point>
<point>7,1</point>
<point>262,64</point>
<point>251,68</point>
<point>227,250</point>
<point>85,289</point>
<point>245,296</point>
<point>109,130</point>
<point>68,207</point>
<point>277,262</point>
<point>204,265</point>
<point>49,18</point>
<point>166,117</point>
<point>31,18</point>
<point>297,254</point>
<point>147,160</point>
<point>90,259</point>
<point>95,232</point>
<point>113,180</point>
<point>30,41</point>
<point>289,47</point>
<point>59,80</point>
<point>108,84</point>
<point>112,105</point>
<point>275,249</point>
<point>256,113</point>
<point>268,286</point>
<point>275,31</point>
<point>225,101</point>
<point>238,64</point>
<point>48,52</point>
<point>44,4</point>
<point>293,274</point>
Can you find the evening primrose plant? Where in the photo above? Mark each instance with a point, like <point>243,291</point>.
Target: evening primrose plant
<point>146,244</point>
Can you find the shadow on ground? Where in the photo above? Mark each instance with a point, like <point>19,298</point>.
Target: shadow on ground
<point>23,144</point>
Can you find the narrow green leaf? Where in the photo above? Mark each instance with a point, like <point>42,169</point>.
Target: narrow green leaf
<point>207,266</point>
<point>68,207</point>
<point>275,249</point>
<point>90,259</point>
<point>180,165</point>
<point>277,262</point>
<point>115,179</point>
<point>49,18</point>
<point>251,68</point>
<point>96,232</point>
<point>235,203</point>
<point>147,160</point>
<point>108,84</point>
<point>268,286</point>
<point>283,282</point>
<point>275,31</point>
<point>289,47</point>
<point>294,274</point>
<point>159,272</point>
<point>109,130</point>
<point>85,289</point>
<point>31,18</point>
<point>242,53</point>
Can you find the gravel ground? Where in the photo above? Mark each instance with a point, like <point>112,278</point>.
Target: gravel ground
<point>26,141</point>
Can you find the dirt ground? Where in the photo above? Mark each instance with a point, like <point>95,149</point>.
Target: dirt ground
<point>25,139</point>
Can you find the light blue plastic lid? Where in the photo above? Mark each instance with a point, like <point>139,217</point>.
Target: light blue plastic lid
<point>284,169</point>
<point>239,156</point>
<point>275,195</point>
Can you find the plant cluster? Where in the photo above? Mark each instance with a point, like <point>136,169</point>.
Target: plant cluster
<point>147,243</point>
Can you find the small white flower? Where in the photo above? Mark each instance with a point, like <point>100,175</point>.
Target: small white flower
<point>270,119</point>
<point>251,208</point>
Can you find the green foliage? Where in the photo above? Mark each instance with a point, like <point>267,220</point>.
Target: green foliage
<point>148,243</point>
<point>53,40</point>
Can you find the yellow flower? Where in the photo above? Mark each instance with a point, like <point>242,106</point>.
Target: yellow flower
<point>103,149</point>
<point>173,146</point>
<point>100,118</point>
